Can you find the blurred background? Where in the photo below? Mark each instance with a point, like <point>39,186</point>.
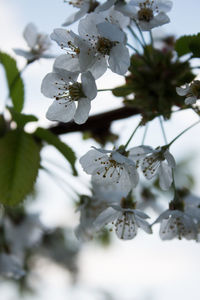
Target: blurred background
<point>145,268</point>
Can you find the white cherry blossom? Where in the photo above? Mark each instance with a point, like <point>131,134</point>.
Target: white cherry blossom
<point>101,44</point>
<point>147,13</point>
<point>38,43</point>
<point>158,162</point>
<point>110,168</point>
<point>90,207</point>
<point>85,7</point>
<point>176,223</point>
<point>62,85</point>
<point>125,220</point>
<point>191,91</point>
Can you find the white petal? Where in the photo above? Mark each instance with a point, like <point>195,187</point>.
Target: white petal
<point>61,110</point>
<point>158,20</point>
<point>105,6</point>
<point>30,34</point>
<point>53,81</point>
<point>141,214</point>
<point>126,226</point>
<point>99,67</point>
<point>49,86</point>
<point>91,161</point>
<point>62,37</point>
<point>27,54</point>
<point>168,229</point>
<point>119,60</point>
<point>122,159</point>
<point>170,159</point>
<point>87,26</point>
<point>67,62</point>
<point>138,153</point>
<point>143,224</point>
<point>191,100</point>
<point>111,32</point>
<point>82,111</point>
<point>132,176</point>
<point>78,15</point>
<point>165,176</point>
<point>182,91</point>
<point>89,85</point>
<point>107,216</point>
<point>164,215</point>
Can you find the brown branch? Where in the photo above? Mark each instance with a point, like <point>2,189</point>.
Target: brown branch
<point>95,122</point>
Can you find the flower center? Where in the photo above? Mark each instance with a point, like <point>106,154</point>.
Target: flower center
<point>104,45</point>
<point>145,14</point>
<point>76,91</point>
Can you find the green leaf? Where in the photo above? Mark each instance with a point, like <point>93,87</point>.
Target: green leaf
<point>52,139</point>
<point>19,165</point>
<point>21,119</point>
<point>188,44</point>
<point>14,80</point>
<point>122,91</point>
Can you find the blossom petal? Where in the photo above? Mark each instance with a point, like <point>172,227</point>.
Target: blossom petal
<point>89,85</point>
<point>138,153</point>
<point>170,159</point>
<point>30,34</point>
<point>165,176</point>
<point>27,54</point>
<point>78,15</point>
<point>107,216</point>
<point>99,67</point>
<point>143,224</point>
<point>126,226</point>
<point>119,60</point>
<point>61,110</point>
<point>82,111</point>
<point>90,161</point>
<point>183,91</point>
<point>111,32</point>
<point>62,37</point>
<point>67,62</point>
<point>191,100</point>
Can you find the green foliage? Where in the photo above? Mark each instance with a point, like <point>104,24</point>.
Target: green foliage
<point>14,80</point>
<point>21,119</point>
<point>19,165</point>
<point>52,139</point>
<point>188,44</point>
<point>2,125</point>
<point>152,83</point>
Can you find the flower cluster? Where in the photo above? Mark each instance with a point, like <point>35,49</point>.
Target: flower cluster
<point>101,43</point>
<point>118,170</point>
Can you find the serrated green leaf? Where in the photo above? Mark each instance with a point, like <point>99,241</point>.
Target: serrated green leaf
<point>14,80</point>
<point>19,165</point>
<point>188,44</point>
<point>52,139</point>
<point>21,119</point>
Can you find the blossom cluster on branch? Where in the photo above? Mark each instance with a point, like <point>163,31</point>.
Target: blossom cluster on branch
<point>159,81</point>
